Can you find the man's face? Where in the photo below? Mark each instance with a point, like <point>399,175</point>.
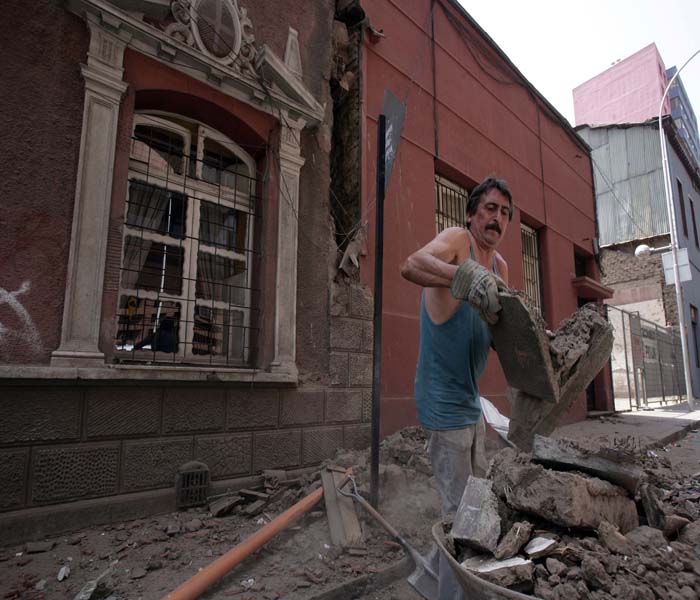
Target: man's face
<point>489,223</point>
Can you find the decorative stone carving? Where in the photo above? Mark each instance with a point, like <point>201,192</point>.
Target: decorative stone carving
<point>219,28</point>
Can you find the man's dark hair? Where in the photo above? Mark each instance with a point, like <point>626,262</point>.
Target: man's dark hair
<point>490,183</point>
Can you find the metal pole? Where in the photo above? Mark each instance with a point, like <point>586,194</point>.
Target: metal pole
<point>659,347</point>
<point>627,366</point>
<point>674,240</point>
<point>378,272</point>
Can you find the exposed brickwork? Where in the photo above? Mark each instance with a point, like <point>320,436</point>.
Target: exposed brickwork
<point>319,444</point>
<point>192,409</point>
<point>152,464</point>
<point>76,472</point>
<point>126,411</point>
<point>361,302</point>
<point>366,405</point>
<point>343,405</point>
<point>252,409</point>
<point>277,449</point>
<point>367,336</point>
<point>302,407</point>
<point>13,475</point>
<point>357,437</point>
<point>622,269</point>
<point>225,455</point>
<point>39,414</point>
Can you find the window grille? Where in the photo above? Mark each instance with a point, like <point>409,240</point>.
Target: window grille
<point>451,204</point>
<point>186,284</point>
<point>531,266</point>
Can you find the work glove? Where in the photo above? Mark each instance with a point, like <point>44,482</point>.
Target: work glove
<point>478,286</point>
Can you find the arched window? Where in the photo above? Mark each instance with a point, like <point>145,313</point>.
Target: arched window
<point>185,286</point>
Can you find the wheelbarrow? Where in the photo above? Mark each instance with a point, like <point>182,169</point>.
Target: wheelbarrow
<point>474,587</point>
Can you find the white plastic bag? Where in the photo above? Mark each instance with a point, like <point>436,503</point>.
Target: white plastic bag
<point>499,422</point>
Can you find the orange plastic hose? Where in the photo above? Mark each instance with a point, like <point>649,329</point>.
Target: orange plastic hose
<point>199,583</point>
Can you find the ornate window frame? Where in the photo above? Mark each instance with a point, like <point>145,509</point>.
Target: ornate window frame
<point>257,77</point>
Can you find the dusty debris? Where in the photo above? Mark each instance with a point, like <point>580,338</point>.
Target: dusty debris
<point>506,573</point>
<point>514,540</point>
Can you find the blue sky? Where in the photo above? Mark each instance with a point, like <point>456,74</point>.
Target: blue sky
<point>558,47</point>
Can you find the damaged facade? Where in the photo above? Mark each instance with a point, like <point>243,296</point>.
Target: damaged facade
<point>167,252</point>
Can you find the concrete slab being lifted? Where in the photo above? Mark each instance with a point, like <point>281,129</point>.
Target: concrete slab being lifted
<point>546,372</point>
<point>523,349</point>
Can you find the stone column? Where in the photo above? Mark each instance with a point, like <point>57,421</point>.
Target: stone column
<point>287,243</point>
<point>104,90</point>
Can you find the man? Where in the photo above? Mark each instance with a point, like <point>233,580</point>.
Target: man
<point>461,272</point>
<point>459,264</point>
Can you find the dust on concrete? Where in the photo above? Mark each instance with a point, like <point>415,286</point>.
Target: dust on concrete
<point>147,558</point>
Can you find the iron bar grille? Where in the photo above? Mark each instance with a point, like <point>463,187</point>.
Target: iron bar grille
<point>531,266</point>
<point>451,204</point>
<point>187,290</point>
<point>191,485</point>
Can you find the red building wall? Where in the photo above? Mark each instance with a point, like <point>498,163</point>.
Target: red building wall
<point>468,116</point>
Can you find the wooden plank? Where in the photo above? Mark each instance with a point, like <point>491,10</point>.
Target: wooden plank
<point>351,524</point>
<point>330,497</point>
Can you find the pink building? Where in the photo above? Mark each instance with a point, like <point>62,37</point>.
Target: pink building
<point>627,92</point>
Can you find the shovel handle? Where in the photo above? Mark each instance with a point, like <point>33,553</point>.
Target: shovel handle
<point>381,520</point>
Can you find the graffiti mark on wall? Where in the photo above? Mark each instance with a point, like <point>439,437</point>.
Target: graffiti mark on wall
<point>27,332</point>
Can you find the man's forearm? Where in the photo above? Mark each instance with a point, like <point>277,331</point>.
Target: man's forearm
<point>428,271</point>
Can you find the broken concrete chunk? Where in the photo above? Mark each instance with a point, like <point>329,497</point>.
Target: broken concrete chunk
<point>613,540</point>
<point>555,567</point>
<point>612,465</point>
<point>531,412</point>
<point>36,547</point>
<point>673,524</point>
<point>516,538</point>
<point>594,573</point>
<point>652,506</point>
<point>477,521</point>
<point>255,508</point>
<point>540,547</point>
<point>224,506</point>
<point>505,573</point>
<point>648,537</point>
<point>566,499</point>
<point>690,534</point>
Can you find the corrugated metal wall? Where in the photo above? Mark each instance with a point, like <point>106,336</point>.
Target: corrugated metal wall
<point>628,182</point>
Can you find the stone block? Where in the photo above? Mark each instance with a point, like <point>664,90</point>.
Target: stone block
<point>361,302</point>
<point>368,336</point>
<point>252,409</point>
<point>123,411</point>
<point>74,473</point>
<point>477,521</point>
<point>191,409</point>
<point>13,477</point>
<point>302,407</point>
<point>343,405</point>
<point>276,449</point>
<point>225,455</point>
<point>566,499</point>
<point>357,437</point>
<point>39,414</point>
<point>360,369</point>
<point>346,334</point>
<point>320,443</point>
<point>338,368</point>
<point>154,463</point>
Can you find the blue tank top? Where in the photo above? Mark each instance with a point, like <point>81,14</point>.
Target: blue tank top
<point>451,358</point>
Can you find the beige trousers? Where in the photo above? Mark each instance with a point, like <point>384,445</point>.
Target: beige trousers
<point>455,454</point>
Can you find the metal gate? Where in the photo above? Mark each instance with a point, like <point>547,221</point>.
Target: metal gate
<point>646,361</point>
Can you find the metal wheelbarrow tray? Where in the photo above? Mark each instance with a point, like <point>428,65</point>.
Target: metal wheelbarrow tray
<point>474,587</point>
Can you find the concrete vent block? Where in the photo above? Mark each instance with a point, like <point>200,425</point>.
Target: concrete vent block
<point>191,485</point>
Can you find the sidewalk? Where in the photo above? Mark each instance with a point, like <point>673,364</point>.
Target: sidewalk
<point>647,428</point>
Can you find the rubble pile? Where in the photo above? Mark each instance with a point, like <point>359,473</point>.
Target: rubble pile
<point>574,521</point>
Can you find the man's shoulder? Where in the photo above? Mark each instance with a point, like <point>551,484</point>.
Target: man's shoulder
<point>455,235</point>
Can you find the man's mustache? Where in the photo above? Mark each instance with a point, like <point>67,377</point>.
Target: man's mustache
<point>495,227</point>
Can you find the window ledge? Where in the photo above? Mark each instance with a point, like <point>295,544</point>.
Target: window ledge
<point>149,373</point>
<point>591,289</point>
